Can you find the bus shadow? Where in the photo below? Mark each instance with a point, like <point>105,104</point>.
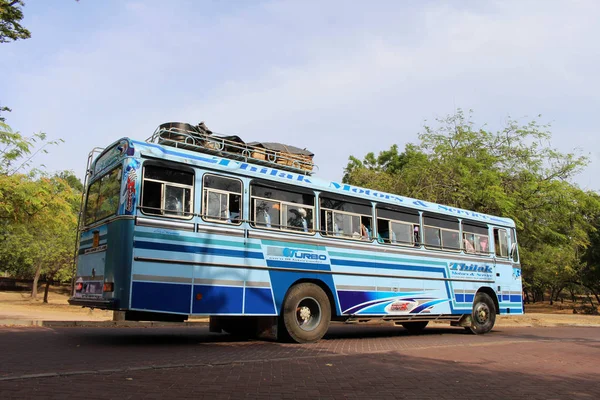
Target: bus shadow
<point>347,331</point>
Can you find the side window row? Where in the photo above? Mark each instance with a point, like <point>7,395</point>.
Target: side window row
<point>170,192</point>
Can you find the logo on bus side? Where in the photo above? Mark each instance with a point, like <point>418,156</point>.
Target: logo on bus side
<point>401,306</point>
<point>291,254</point>
<point>486,269</point>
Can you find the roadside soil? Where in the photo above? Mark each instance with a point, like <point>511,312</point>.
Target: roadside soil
<point>19,306</point>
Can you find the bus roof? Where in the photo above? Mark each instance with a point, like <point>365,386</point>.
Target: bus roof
<point>215,162</point>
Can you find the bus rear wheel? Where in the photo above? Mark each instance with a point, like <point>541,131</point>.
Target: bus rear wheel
<point>483,316</point>
<point>306,313</point>
<point>414,328</point>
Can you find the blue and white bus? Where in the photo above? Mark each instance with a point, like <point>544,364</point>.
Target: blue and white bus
<point>173,228</point>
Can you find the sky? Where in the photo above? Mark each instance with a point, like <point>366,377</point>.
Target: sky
<point>340,78</point>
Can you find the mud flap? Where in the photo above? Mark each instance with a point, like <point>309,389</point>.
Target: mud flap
<point>465,321</point>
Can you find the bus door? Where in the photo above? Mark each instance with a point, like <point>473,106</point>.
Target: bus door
<point>502,265</point>
<point>220,289</point>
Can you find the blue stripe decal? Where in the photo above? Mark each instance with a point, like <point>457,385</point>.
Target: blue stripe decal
<point>161,297</point>
<point>217,299</point>
<point>297,265</point>
<point>424,306</point>
<point>516,299</point>
<point>364,264</point>
<point>175,153</point>
<point>197,249</point>
<point>460,298</point>
<point>259,301</point>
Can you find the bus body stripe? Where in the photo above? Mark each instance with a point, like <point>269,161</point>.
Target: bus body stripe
<point>197,249</point>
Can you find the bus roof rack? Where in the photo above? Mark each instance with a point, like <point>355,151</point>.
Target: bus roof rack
<point>199,138</point>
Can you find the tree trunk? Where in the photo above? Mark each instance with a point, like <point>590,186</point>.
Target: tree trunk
<point>46,290</point>
<point>556,298</point>
<point>36,278</point>
<point>552,296</point>
<point>572,292</point>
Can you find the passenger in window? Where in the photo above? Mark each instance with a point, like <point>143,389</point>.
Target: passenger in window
<point>483,244</point>
<point>469,246</point>
<point>174,205</point>
<point>365,232</point>
<point>299,219</point>
<point>416,235</point>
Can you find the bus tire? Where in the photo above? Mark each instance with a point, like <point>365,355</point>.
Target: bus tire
<point>483,316</point>
<point>416,327</point>
<point>306,313</point>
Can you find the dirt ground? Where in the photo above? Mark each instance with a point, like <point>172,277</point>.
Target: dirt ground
<point>19,306</point>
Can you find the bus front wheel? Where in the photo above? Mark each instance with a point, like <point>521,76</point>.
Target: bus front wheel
<point>306,313</point>
<point>483,316</point>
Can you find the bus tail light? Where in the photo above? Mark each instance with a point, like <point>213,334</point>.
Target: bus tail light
<point>109,286</point>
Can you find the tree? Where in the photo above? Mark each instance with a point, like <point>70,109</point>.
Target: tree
<point>11,15</point>
<point>38,213</point>
<point>512,172</point>
<point>17,151</point>
<point>39,226</point>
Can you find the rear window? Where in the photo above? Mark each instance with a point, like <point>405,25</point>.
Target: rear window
<point>103,197</point>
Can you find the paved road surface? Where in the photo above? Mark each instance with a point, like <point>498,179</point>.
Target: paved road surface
<point>351,362</point>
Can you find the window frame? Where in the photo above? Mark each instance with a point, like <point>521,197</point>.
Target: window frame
<point>390,221</point>
<point>87,196</point>
<point>296,190</point>
<point>441,246</point>
<point>205,217</point>
<point>498,242</point>
<point>144,209</point>
<point>281,227</point>
<point>351,236</point>
<point>475,236</point>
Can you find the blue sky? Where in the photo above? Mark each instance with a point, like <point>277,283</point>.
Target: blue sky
<point>338,77</point>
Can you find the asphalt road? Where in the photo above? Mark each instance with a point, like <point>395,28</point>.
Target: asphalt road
<point>374,362</point>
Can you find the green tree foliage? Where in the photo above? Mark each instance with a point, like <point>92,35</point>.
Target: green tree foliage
<point>17,151</point>
<point>38,213</point>
<point>512,172</point>
<point>11,15</point>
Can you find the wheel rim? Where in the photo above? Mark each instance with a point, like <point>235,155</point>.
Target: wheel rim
<point>482,313</point>
<point>308,314</point>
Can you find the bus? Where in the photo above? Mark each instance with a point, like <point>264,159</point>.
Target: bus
<point>186,225</point>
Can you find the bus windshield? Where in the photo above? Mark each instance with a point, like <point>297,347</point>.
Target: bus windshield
<point>103,197</point>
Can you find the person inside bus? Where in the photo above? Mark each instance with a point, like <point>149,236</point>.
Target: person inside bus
<point>468,243</point>
<point>365,232</point>
<point>416,235</point>
<point>483,244</point>
<point>299,219</point>
<point>173,205</point>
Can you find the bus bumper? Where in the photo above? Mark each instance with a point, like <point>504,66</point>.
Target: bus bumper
<point>93,303</point>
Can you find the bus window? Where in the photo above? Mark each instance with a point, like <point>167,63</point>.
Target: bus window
<point>103,197</point>
<point>501,242</point>
<point>167,191</point>
<point>514,246</point>
<point>475,238</point>
<point>441,233</point>
<point>280,208</point>
<point>222,199</point>
<point>397,227</point>
<point>345,219</point>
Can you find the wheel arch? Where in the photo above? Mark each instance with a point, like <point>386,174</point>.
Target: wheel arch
<point>323,286</point>
<point>490,292</point>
